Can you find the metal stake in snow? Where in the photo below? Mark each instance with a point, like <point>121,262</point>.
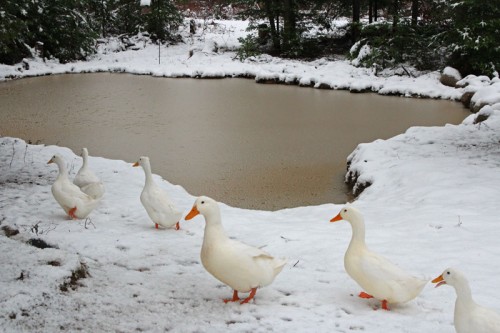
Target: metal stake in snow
<point>159,41</point>
<point>148,4</point>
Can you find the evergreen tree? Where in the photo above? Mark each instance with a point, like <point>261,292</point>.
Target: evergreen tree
<point>13,31</point>
<point>61,27</point>
<point>163,20</point>
<point>474,40</point>
<point>127,17</point>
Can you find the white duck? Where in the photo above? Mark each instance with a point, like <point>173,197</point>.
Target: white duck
<point>75,203</point>
<point>158,205</point>
<point>87,181</point>
<point>470,317</point>
<point>380,278</point>
<point>242,267</point>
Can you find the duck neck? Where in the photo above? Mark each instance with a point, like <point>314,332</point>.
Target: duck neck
<point>148,173</point>
<point>464,294</point>
<point>213,227</point>
<point>63,171</point>
<point>358,230</point>
<point>85,158</point>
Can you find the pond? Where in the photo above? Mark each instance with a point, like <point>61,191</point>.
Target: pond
<point>249,145</point>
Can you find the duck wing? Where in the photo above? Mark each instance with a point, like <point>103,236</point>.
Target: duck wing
<point>158,202</point>
<point>385,280</point>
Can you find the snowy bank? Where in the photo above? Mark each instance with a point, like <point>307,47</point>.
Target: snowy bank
<point>211,53</point>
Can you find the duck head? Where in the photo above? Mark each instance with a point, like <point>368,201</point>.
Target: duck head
<point>143,160</point>
<point>203,205</point>
<point>57,159</point>
<point>347,213</point>
<point>450,276</point>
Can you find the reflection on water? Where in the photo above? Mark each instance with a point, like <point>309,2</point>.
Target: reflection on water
<point>246,144</point>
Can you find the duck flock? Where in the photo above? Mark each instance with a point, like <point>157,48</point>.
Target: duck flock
<point>246,268</point>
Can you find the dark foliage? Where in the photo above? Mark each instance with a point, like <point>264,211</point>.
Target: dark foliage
<point>68,29</point>
<point>427,34</point>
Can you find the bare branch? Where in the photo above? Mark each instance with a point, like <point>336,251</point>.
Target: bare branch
<point>88,221</point>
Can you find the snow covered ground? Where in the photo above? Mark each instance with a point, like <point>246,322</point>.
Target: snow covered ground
<point>432,203</point>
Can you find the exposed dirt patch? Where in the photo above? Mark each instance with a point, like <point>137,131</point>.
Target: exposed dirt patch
<point>81,273</point>
<point>9,232</point>
<point>40,243</point>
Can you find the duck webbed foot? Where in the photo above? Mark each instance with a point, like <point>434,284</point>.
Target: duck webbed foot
<point>364,295</point>
<point>234,299</point>
<point>71,213</point>
<point>250,297</point>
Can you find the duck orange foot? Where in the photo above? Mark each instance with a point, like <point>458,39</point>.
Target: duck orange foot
<point>364,295</point>
<point>71,213</point>
<point>236,298</point>
<point>177,226</point>
<point>250,297</point>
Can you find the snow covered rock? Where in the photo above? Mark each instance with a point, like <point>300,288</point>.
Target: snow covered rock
<point>485,96</point>
<point>450,77</point>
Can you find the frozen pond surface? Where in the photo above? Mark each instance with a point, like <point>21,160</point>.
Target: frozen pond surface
<point>246,144</point>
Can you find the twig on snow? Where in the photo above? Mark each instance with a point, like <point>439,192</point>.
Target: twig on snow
<point>36,230</point>
<point>13,153</point>
<point>88,221</point>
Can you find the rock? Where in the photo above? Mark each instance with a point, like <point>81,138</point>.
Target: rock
<point>450,77</point>
<point>466,97</point>
<point>485,96</point>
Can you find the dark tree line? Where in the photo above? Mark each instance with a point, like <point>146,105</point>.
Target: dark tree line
<point>425,33</point>
<point>428,34</point>
<point>68,29</point>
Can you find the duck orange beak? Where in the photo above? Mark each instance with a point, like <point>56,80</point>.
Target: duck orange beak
<point>50,161</point>
<point>194,211</point>
<point>136,164</point>
<point>439,280</point>
<point>336,218</point>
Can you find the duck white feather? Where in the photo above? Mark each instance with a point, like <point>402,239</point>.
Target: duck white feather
<point>379,277</point>
<point>242,267</point>
<point>157,203</point>
<point>86,179</point>
<point>469,316</point>
<point>75,203</point>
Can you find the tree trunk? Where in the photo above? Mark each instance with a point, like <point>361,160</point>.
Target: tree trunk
<point>414,12</point>
<point>289,24</point>
<point>370,11</point>
<point>356,10</point>
<point>395,15</point>
<point>273,20</point>
<point>375,10</point>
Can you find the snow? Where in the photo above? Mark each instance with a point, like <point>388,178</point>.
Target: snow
<point>452,72</point>
<point>487,95</point>
<point>364,52</point>
<point>432,204</point>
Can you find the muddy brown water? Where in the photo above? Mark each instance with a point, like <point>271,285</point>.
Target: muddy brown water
<point>246,144</point>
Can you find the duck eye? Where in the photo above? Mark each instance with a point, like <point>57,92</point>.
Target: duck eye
<point>448,273</point>
<point>202,202</point>
<point>345,210</point>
